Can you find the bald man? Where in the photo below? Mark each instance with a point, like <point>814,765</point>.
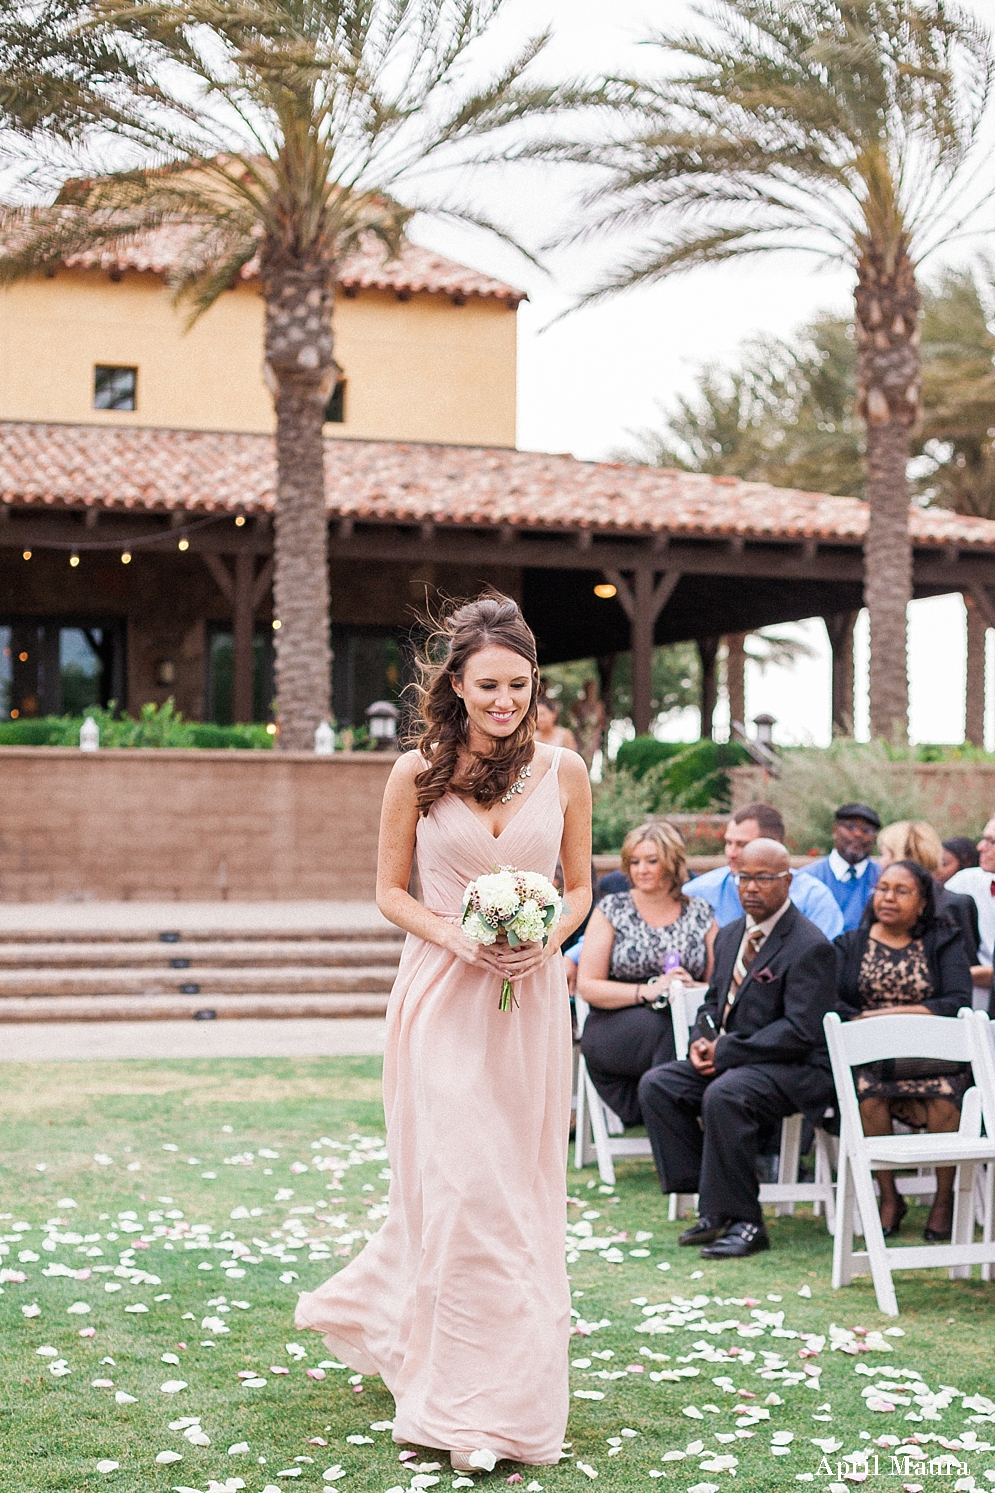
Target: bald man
<point>757,1054</point>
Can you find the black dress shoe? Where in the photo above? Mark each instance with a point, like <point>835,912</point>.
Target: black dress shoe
<point>704,1231</point>
<point>739,1239</point>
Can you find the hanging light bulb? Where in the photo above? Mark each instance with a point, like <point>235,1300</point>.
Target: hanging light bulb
<point>74,560</point>
<point>126,557</point>
<point>184,544</point>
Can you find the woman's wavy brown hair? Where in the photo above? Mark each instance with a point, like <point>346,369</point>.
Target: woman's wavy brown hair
<point>441,729</point>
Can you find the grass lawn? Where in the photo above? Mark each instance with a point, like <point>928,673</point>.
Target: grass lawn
<point>147,1179</point>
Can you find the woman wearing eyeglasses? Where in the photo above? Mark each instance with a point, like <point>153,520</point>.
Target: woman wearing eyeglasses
<point>905,959</point>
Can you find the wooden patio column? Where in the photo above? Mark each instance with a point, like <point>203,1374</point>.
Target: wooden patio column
<point>642,602</point>
<point>974,701</point>
<point>736,679</point>
<point>708,649</point>
<point>839,626</point>
<point>243,591</point>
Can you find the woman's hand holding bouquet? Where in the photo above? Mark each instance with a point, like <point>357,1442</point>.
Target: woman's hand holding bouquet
<point>516,909</point>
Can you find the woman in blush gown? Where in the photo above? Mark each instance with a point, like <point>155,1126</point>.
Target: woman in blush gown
<point>461,1301</point>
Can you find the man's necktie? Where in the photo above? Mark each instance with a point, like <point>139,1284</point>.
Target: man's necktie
<point>851,875</point>
<point>749,952</point>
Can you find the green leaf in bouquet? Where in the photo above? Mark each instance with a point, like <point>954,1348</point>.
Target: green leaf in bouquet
<point>513,938</point>
<point>549,915</point>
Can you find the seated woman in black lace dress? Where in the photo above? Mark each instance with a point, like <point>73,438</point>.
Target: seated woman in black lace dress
<point>906,959</point>
<point>624,965</point>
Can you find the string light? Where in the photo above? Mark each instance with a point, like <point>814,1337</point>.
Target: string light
<point>277,624</point>
<point>27,555</point>
<point>605,592</point>
<point>74,561</point>
<point>125,557</point>
<point>240,520</point>
<point>184,544</point>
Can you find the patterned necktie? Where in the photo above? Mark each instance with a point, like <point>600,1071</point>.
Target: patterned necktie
<point>749,952</point>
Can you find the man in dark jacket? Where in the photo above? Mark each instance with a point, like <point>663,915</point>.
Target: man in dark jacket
<point>757,1054</point>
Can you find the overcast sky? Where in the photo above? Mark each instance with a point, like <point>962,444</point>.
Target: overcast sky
<point>589,381</point>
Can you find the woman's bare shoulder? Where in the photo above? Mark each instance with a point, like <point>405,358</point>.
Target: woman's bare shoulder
<point>406,768</point>
<point>573,768</point>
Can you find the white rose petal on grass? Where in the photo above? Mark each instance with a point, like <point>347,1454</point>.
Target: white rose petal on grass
<point>172,1386</point>
<point>103,1160</point>
<point>34,1310</point>
<point>107,1466</point>
<point>360,1440</point>
<point>693,1412</point>
<point>164,1458</point>
<point>805,1291</point>
<point>589,1394</point>
<point>136,1306</point>
<point>783,1438</point>
<point>78,1308</point>
<point>125,1399</point>
<point>704,1488</point>
<point>238,1449</point>
<point>587,1469</point>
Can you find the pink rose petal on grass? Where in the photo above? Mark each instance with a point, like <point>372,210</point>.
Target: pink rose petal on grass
<point>315,1373</point>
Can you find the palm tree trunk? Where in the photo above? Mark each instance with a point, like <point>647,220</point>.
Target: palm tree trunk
<point>299,366</point>
<point>888,369</point>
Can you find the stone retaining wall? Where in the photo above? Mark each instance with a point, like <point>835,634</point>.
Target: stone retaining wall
<point>123,825</point>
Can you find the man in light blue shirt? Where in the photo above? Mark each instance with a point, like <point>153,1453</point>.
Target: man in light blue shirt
<point>718,887</point>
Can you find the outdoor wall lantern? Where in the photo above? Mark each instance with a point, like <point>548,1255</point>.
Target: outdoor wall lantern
<point>383,717</point>
<point>765,729</point>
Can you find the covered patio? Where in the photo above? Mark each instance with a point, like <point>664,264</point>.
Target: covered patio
<point>154,537</point>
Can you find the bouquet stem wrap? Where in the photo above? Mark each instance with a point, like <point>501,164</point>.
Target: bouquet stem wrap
<point>520,906</point>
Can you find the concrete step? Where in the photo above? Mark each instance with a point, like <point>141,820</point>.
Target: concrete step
<point>147,922</point>
<point>217,953</point>
<point>286,979</point>
<point>271,1005</point>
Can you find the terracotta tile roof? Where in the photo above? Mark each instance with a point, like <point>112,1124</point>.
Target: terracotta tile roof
<point>415,269</point>
<point>139,469</point>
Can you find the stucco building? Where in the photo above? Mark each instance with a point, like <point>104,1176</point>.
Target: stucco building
<point>137,482</point>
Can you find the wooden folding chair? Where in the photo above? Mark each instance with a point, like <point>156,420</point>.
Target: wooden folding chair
<point>869,1041</point>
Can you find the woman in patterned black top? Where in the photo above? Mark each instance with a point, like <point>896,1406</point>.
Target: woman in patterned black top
<point>621,974</point>
<point>905,959</point>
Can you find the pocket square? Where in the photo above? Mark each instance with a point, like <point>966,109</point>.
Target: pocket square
<point>764,977</point>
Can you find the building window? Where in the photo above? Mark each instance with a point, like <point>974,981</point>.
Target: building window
<point>335,408</point>
<point>115,388</point>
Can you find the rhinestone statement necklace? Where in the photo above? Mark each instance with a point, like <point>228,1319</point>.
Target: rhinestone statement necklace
<point>518,786</point>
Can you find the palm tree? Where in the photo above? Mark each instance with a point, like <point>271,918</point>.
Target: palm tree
<point>958,387</point>
<point>849,128</point>
<point>57,80</point>
<point>285,132</point>
<point>781,413</point>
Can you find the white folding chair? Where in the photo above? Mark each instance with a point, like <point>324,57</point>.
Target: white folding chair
<point>599,1134</point>
<point>685,1003</point>
<point>868,1041</point>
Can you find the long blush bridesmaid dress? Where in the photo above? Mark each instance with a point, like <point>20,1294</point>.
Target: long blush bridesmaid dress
<point>461,1301</point>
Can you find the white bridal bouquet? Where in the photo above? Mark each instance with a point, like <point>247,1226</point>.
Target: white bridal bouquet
<point>521,905</point>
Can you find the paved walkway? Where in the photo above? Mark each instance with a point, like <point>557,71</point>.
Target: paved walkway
<point>84,1041</point>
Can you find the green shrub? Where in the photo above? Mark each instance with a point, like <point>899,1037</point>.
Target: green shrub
<point>157,726</point>
<point>691,778</point>
<point>814,781</point>
<point>621,801</point>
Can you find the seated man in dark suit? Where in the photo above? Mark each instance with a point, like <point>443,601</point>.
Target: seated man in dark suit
<point>757,1054</point>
